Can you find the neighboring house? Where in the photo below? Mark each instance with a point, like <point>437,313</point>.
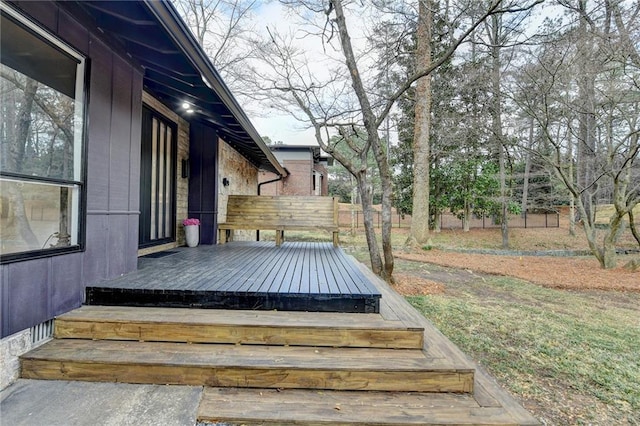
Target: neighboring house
<point>115,127</point>
<point>307,168</point>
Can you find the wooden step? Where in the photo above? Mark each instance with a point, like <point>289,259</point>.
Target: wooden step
<point>243,327</point>
<point>245,366</point>
<point>308,407</point>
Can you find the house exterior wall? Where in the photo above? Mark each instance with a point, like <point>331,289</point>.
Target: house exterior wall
<point>323,187</point>
<point>36,290</point>
<point>243,180</point>
<point>273,188</point>
<point>203,199</point>
<point>299,181</point>
<point>302,172</point>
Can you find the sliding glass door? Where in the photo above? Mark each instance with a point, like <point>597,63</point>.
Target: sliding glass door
<point>158,180</point>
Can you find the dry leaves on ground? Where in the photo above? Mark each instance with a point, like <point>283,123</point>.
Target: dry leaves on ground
<point>558,272</point>
<point>410,285</point>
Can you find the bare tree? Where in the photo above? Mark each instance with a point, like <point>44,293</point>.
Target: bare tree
<point>341,99</point>
<point>223,28</point>
<point>605,108</point>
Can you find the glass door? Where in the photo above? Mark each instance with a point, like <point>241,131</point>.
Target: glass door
<point>158,177</point>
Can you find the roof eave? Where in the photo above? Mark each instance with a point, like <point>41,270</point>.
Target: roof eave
<point>168,17</point>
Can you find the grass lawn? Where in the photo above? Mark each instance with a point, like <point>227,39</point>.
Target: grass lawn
<point>571,357</point>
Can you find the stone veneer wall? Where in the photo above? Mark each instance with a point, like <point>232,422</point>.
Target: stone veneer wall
<point>243,180</point>
<point>182,188</point>
<point>11,348</point>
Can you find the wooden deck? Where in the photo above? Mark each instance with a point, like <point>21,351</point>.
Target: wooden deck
<point>297,276</point>
<point>283,368</point>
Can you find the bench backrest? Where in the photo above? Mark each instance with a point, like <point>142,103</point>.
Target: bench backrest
<point>282,210</point>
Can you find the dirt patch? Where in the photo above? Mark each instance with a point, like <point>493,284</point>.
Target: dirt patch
<point>566,273</point>
<point>411,285</point>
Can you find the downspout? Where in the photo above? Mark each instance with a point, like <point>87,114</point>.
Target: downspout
<point>279,178</point>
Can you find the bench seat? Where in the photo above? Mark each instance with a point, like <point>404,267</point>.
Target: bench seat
<point>280,213</point>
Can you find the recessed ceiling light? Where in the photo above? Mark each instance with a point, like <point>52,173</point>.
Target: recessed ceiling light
<point>189,111</point>
<point>186,105</point>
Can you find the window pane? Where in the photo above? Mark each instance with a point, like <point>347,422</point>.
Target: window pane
<point>41,138</point>
<point>41,106</point>
<point>154,178</point>
<point>35,216</point>
<point>38,138</point>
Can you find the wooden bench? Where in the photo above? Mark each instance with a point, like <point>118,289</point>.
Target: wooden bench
<point>279,213</point>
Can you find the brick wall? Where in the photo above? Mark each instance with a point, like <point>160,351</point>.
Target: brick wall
<point>299,181</point>
<point>273,188</point>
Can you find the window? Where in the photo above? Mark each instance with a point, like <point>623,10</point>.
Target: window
<point>41,140</point>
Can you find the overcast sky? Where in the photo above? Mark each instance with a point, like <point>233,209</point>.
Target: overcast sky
<point>282,127</point>
<point>270,122</point>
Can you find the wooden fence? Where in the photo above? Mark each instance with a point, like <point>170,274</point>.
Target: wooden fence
<point>449,221</point>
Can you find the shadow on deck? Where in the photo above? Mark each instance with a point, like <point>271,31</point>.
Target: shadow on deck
<point>297,276</point>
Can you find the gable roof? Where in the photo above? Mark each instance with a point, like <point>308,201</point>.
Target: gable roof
<point>177,70</point>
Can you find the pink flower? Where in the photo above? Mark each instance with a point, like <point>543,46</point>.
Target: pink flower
<point>191,221</point>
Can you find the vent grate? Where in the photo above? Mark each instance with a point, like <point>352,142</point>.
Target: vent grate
<point>41,332</point>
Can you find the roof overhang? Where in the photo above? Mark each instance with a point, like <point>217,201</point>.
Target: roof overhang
<point>317,153</point>
<point>177,70</point>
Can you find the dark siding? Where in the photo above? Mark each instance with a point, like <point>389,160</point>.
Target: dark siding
<point>99,127</point>
<point>134,172</point>
<point>203,194</point>
<point>67,291</point>
<point>36,290</point>
<point>75,35</point>
<point>4,301</point>
<point>28,294</point>
<point>45,12</point>
<point>96,268</point>
<point>120,146</point>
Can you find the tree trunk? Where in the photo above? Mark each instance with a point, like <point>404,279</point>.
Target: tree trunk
<point>586,152</point>
<point>632,226</point>
<point>466,216</point>
<point>369,227</point>
<point>527,171</point>
<point>419,232</point>
<point>373,139</point>
<point>354,213</point>
<point>496,119</point>
<point>572,202</point>
<point>16,158</point>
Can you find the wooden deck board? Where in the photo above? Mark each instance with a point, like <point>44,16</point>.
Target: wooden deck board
<point>296,276</point>
<point>265,406</point>
<point>244,366</point>
<point>237,327</point>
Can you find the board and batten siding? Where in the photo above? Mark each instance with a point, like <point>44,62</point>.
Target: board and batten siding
<point>34,291</point>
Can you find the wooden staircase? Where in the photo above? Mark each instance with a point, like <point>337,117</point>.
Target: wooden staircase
<point>246,349</point>
<point>279,368</point>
